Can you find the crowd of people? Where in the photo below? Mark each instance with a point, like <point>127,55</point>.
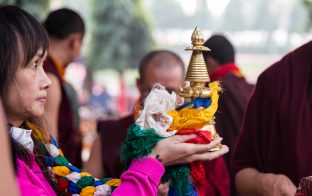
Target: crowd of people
<point>266,126</point>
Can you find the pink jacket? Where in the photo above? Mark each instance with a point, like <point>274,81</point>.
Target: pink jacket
<point>31,180</point>
<point>142,178</point>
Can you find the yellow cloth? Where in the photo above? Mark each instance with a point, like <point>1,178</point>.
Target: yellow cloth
<point>113,182</point>
<point>196,117</point>
<point>60,152</point>
<point>89,190</point>
<point>61,170</point>
<point>37,133</point>
<point>83,174</point>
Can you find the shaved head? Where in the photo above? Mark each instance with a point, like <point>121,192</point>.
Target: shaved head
<point>163,67</point>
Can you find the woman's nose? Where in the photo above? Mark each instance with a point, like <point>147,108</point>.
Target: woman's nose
<point>46,82</point>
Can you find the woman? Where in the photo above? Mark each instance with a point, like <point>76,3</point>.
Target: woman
<point>42,168</point>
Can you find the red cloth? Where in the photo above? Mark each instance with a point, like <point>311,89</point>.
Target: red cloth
<point>198,168</point>
<point>217,178</point>
<point>203,137</point>
<point>277,129</point>
<point>62,184</point>
<point>224,69</point>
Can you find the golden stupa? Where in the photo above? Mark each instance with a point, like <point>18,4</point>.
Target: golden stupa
<point>197,75</point>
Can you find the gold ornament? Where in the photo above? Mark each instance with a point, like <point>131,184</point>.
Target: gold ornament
<point>197,75</point>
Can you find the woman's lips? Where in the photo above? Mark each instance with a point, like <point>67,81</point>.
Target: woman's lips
<point>42,100</point>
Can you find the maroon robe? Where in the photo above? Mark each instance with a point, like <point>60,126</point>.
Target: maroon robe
<point>69,135</point>
<point>277,129</point>
<point>231,107</point>
<point>113,133</point>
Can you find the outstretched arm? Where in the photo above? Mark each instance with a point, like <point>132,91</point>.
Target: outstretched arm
<point>143,176</point>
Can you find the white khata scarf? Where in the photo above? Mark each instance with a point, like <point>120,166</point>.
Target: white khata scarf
<point>23,137</point>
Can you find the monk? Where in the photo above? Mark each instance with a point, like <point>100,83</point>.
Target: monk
<point>166,68</point>
<point>274,146</point>
<point>221,66</point>
<point>65,29</point>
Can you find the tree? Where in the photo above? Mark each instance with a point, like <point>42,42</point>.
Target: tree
<point>308,6</point>
<point>234,18</point>
<point>120,36</point>
<point>38,8</point>
<point>299,17</point>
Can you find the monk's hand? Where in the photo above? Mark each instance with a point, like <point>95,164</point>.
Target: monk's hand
<point>174,150</point>
<point>276,185</point>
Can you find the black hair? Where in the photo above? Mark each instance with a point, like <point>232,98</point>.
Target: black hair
<point>21,36</point>
<point>151,55</point>
<point>221,49</point>
<point>62,22</point>
<point>18,31</point>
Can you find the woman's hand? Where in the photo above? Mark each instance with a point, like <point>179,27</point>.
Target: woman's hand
<point>173,150</point>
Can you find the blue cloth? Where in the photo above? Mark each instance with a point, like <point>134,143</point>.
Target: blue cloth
<point>53,141</point>
<point>97,183</point>
<point>73,168</point>
<point>172,192</point>
<point>73,188</point>
<point>200,102</point>
<point>48,160</point>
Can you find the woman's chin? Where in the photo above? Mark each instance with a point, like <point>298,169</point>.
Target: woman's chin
<point>37,114</point>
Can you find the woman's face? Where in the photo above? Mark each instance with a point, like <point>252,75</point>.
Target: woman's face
<point>27,93</point>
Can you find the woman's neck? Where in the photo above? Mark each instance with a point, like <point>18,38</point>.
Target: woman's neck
<point>15,122</point>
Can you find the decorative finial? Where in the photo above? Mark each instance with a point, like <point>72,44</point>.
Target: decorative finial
<point>197,37</point>
<point>197,72</point>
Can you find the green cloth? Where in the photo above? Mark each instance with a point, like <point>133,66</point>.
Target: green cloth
<point>140,143</point>
<point>85,181</point>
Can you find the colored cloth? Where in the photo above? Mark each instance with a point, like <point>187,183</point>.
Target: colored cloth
<point>31,181</point>
<point>196,117</point>
<point>68,132</point>
<point>223,69</point>
<point>142,178</point>
<point>277,129</point>
<point>218,180</point>
<point>23,137</point>
<point>113,133</point>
